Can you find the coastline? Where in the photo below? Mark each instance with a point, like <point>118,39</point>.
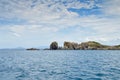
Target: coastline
<point>90,45</point>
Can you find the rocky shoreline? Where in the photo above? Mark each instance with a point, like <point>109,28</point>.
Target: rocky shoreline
<point>90,45</point>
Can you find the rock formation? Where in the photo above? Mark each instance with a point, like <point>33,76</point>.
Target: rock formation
<point>54,45</point>
<point>70,45</point>
<point>90,45</point>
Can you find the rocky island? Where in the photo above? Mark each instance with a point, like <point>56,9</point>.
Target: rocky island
<point>90,45</point>
<point>32,49</point>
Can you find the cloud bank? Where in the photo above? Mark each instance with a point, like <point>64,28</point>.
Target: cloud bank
<point>43,21</point>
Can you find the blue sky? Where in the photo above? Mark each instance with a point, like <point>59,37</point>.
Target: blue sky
<point>34,23</point>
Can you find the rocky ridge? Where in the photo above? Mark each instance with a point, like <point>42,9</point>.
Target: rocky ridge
<point>90,45</point>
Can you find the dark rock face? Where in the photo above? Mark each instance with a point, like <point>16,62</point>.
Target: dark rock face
<point>54,45</point>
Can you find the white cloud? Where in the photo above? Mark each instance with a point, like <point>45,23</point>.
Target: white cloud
<point>46,18</point>
<point>16,34</point>
<point>112,7</point>
<point>42,11</point>
<point>27,30</point>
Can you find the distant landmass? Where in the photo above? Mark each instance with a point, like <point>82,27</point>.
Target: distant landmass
<point>90,45</point>
<point>17,48</point>
<point>32,49</point>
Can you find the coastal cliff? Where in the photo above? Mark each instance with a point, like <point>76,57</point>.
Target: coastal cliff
<point>90,45</point>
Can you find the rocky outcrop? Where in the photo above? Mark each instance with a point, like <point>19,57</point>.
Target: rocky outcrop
<point>70,45</point>
<point>117,47</point>
<point>90,45</point>
<point>54,45</point>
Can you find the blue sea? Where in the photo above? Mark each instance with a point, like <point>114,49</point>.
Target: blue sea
<point>60,65</point>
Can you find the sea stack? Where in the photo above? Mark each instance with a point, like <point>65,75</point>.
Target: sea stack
<point>54,45</point>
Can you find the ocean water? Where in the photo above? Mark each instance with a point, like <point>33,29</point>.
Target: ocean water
<point>60,65</point>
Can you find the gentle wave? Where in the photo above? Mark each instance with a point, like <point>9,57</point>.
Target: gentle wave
<point>60,65</point>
